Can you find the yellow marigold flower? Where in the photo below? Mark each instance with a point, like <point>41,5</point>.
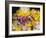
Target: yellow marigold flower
<point>28,24</point>
<point>36,15</point>
<point>20,13</point>
<point>18,28</point>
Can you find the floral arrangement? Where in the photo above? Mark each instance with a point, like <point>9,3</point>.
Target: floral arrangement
<point>26,20</point>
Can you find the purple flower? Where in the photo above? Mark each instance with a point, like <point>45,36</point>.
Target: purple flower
<point>23,27</point>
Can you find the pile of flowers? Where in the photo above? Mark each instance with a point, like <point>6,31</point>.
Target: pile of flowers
<point>26,21</point>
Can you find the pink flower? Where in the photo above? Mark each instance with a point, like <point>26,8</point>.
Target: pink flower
<point>23,27</point>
